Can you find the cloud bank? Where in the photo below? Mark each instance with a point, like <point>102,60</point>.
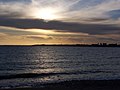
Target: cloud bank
<point>97,20</point>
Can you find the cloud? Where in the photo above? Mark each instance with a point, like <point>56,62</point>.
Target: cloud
<point>38,37</point>
<point>20,1</point>
<point>16,31</point>
<point>60,26</point>
<point>26,8</point>
<point>12,10</point>
<point>8,39</point>
<point>90,39</point>
<point>67,10</point>
<point>93,20</point>
<point>96,19</point>
<point>92,9</point>
<point>108,38</point>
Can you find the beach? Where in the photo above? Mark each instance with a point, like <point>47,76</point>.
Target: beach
<point>78,85</point>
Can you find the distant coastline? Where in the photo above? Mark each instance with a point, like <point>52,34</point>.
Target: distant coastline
<point>73,45</point>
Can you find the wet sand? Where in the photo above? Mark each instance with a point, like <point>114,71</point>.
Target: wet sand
<point>78,85</point>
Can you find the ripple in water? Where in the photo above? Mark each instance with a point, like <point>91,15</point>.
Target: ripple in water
<point>28,66</point>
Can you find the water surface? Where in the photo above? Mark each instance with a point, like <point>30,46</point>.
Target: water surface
<point>22,66</point>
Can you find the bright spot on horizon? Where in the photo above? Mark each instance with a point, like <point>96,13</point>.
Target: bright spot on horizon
<point>46,14</point>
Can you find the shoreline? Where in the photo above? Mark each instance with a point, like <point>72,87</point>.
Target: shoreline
<point>77,85</point>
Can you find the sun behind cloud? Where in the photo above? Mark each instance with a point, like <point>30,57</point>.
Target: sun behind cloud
<point>46,13</point>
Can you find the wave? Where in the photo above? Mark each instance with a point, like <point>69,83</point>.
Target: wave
<point>36,75</point>
<point>113,57</point>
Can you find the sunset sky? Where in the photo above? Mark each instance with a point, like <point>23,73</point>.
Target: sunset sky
<point>59,21</point>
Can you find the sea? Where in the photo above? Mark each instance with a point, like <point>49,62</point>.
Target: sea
<point>35,66</point>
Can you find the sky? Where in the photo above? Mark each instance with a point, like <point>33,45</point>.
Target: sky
<point>26,22</point>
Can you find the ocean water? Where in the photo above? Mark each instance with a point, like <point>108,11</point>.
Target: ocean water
<point>35,66</point>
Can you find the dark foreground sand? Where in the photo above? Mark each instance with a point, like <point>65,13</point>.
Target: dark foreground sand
<point>79,85</point>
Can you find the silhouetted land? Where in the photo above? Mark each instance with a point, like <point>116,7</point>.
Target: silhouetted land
<point>73,45</point>
<point>85,45</point>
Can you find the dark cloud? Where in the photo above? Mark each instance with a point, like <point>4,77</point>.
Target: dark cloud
<point>60,26</point>
<point>96,19</point>
<point>12,15</point>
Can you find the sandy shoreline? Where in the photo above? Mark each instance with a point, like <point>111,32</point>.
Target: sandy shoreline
<point>78,85</point>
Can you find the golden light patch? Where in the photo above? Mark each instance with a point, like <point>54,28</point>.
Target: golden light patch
<point>41,31</point>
